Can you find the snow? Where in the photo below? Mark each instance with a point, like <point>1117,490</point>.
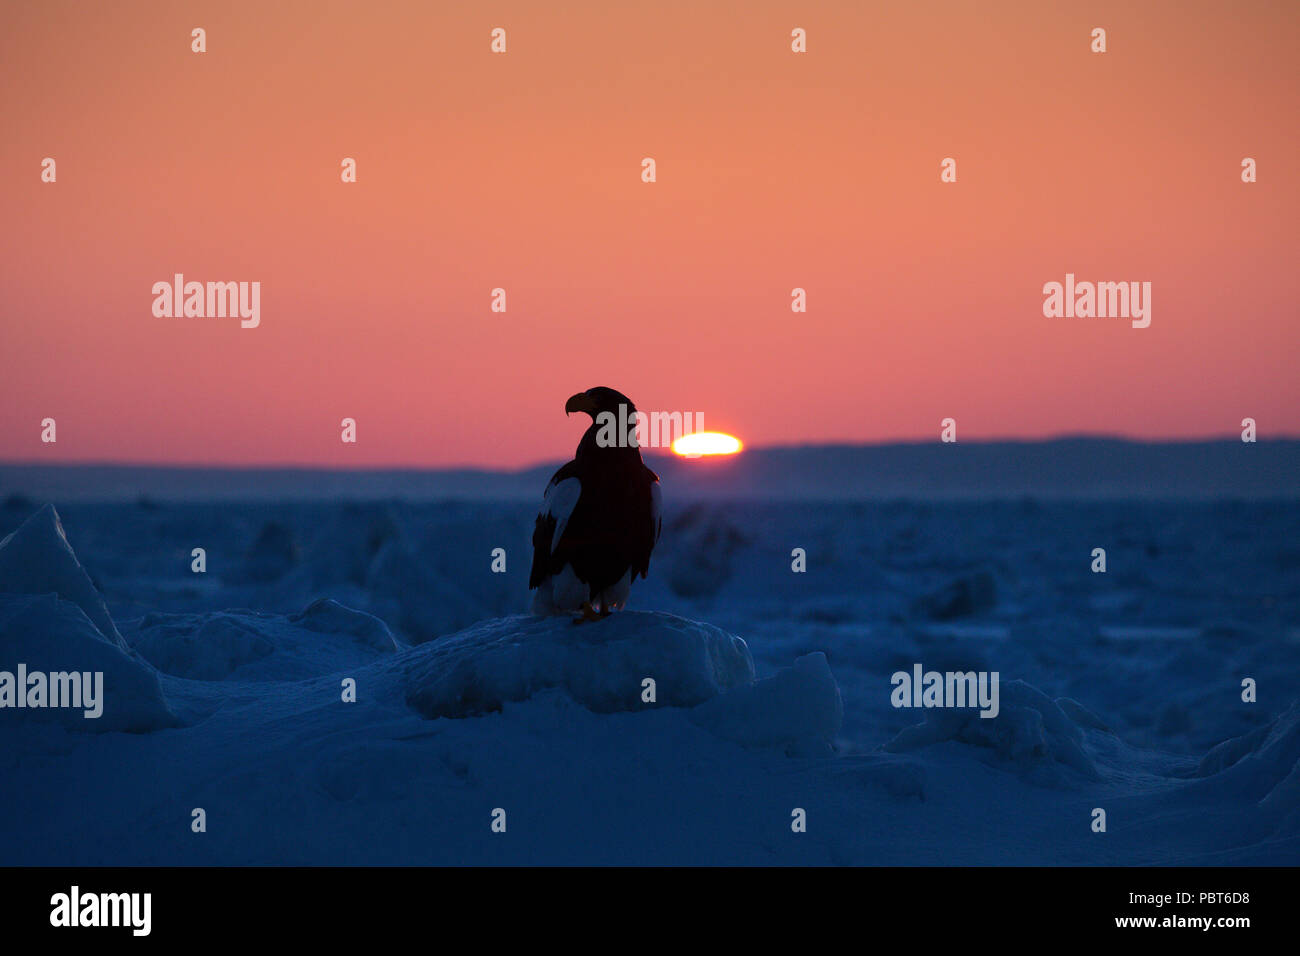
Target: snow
<point>1264,763</point>
<point>1030,730</point>
<point>602,665</point>
<point>53,620</point>
<point>49,635</point>
<point>772,688</point>
<point>245,645</point>
<point>37,559</point>
<point>422,602</point>
<point>798,710</point>
<point>327,616</point>
<point>272,555</point>
<point>702,561</point>
<point>963,596</point>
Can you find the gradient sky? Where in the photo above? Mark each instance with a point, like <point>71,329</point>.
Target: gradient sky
<point>522,171</point>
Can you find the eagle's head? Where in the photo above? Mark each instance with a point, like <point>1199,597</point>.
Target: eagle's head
<point>600,399</point>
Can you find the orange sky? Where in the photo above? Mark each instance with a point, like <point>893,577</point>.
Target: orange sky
<point>522,171</point>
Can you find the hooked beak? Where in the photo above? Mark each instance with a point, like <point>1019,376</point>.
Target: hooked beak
<point>580,403</point>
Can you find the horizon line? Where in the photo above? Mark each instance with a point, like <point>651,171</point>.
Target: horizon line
<point>657,452</point>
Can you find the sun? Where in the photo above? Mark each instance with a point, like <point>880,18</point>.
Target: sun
<point>698,444</point>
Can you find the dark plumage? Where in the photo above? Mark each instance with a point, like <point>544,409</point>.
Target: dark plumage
<point>601,516</point>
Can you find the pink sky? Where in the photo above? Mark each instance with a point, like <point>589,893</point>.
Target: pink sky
<point>775,170</point>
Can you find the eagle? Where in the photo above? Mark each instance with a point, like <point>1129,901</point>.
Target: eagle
<point>600,515</point>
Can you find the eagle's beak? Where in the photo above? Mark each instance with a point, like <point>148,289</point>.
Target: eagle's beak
<point>580,403</point>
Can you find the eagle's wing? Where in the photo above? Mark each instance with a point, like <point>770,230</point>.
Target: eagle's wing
<point>561,498</point>
<point>644,545</point>
<point>656,509</point>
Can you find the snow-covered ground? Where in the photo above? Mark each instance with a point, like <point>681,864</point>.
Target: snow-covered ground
<point>224,690</point>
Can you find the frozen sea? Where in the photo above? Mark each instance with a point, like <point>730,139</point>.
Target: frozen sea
<point>481,735</point>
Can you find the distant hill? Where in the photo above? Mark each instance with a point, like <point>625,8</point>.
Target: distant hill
<point>1062,468</point>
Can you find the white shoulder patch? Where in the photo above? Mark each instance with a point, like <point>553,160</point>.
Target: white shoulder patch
<point>559,503</point>
<point>656,509</point>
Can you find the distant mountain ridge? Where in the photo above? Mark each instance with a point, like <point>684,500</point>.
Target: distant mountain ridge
<point>1059,468</point>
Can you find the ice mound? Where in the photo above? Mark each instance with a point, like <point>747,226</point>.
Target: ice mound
<point>49,635</point>
<point>345,548</point>
<point>1224,755</point>
<point>327,616</point>
<point>406,590</point>
<point>798,710</point>
<point>966,594</point>
<point>704,543</point>
<point>323,639</point>
<point>272,555</point>
<point>1081,715</point>
<point>600,664</point>
<point>1031,730</point>
<point>37,559</point>
<point>201,646</point>
<point>1263,765</point>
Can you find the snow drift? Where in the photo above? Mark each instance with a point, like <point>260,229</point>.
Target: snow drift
<point>606,666</point>
<point>1264,766</point>
<point>54,621</point>
<point>1031,731</point>
<point>37,559</point>
<point>322,639</point>
<point>603,665</point>
<point>798,710</point>
<point>551,717</point>
<point>50,635</point>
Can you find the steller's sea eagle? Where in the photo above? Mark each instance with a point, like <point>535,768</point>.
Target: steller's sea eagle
<point>600,517</point>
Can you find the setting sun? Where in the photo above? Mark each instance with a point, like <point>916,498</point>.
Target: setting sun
<point>706,443</point>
